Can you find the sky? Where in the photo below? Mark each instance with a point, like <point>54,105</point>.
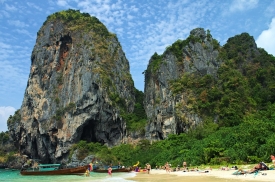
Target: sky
<point>143,27</point>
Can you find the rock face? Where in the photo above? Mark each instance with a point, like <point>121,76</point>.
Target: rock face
<point>79,84</point>
<point>168,113</point>
<point>76,162</point>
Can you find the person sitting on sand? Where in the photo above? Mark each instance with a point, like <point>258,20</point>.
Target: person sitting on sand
<point>225,168</point>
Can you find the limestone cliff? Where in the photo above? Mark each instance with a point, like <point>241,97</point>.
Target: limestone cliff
<point>169,113</point>
<point>78,86</point>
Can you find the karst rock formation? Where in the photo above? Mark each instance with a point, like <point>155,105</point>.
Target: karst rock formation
<point>168,113</point>
<point>79,83</point>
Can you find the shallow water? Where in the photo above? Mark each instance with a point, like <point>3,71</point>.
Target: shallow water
<point>15,176</point>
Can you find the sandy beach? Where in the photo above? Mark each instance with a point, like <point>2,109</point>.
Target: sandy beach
<point>215,175</point>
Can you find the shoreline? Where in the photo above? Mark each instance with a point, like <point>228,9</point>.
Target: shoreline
<point>215,175</point>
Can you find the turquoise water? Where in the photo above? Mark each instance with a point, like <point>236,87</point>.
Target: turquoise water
<point>15,176</point>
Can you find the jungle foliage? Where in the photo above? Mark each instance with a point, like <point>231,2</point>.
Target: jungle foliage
<point>251,141</point>
<point>136,121</point>
<point>14,118</point>
<point>7,150</point>
<point>4,137</point>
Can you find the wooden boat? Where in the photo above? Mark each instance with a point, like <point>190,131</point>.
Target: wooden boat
<point>120,170</point>
<point>53,169</point>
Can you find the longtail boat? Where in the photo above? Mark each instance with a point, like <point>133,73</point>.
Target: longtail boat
<point>113,170</point>
<point>53,169</point>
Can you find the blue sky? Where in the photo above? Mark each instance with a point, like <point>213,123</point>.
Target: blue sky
<point>142,26</point>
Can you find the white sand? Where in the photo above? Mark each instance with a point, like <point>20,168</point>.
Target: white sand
<point>270,174</point>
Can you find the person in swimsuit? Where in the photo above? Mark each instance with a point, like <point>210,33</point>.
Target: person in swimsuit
<point>148,167</point>
<point>184,164</point>
<point>167,167</point>
<point>87,173</point>
<point>110,171</point>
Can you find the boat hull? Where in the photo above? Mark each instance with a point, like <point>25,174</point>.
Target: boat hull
<point>113,171</point>
<point>68,171</point>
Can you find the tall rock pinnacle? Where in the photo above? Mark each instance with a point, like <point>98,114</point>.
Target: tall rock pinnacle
<point>78,87</point>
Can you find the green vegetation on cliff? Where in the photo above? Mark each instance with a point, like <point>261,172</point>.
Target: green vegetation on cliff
<point>7,150</point>
<point>244,84</point>
<point>176,49</point>
<point>14,118</point>
<point>137,120</point>
<point>79,21</point>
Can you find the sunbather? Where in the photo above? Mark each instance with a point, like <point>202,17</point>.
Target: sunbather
<point>254,169</point>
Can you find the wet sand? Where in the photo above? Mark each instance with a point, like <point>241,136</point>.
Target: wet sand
<point>215,175</point>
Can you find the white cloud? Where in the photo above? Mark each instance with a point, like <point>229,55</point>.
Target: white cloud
<point>5,112</point>
<point>146,14</point>
<point>5,52</point>
<point>241,5</point>
<point>14,66</point>
<point>270,10</point>
<point>17,23</point>
<point>62,3</point>
<point>13,74</point>
<point>10,8</point>
<point>4,14</point>
<point>24,31</point>
<point>34,6</point>
<point>267,37</point>
<point>134,9</point>
<point>130,17</point>
<point>5,46</point>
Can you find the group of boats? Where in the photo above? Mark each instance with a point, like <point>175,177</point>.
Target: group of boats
<point>54,169</point>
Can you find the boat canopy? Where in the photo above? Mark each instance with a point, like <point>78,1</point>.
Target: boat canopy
<point>48,167</point>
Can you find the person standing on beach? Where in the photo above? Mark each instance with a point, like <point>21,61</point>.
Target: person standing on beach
<point>184,164</point>
<point>91,166</point>
<point>167,167</point>
<point>272,159</point>
<point>148,167</point>
<point>87,173</point>
<point>110,171</point>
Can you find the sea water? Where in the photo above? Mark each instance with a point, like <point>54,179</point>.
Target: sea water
<point>7,175</point>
